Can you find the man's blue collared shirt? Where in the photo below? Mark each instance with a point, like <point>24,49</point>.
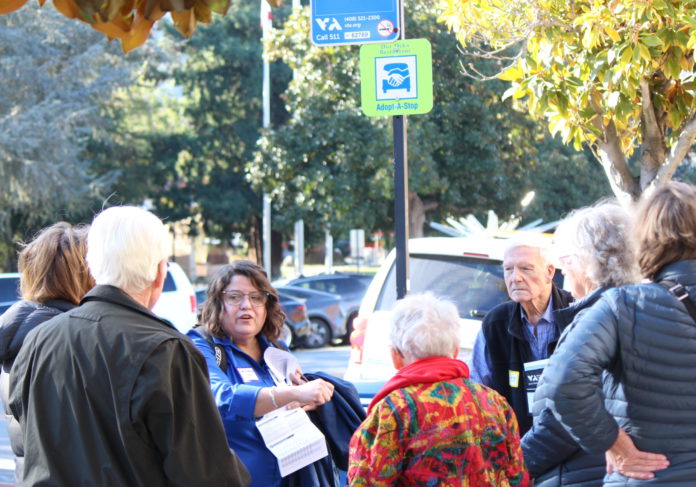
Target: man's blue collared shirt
<point>546,334</point>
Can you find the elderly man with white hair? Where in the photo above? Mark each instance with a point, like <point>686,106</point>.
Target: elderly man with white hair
<point>109,394</point>
<point>522,330</point>
<point>431,425</point>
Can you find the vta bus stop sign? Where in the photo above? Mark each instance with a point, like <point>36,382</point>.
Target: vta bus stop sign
<point>341,22</point>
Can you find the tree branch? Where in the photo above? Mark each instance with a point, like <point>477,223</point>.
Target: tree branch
<point>654,150</point>
<point>613,161</point>
<point>469,69</point>
<point>677,154</point>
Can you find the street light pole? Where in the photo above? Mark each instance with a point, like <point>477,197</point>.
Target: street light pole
<point>266,24</point>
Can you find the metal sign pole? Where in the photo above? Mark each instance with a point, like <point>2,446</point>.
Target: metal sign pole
<point>399,124</point>
<point>401,204</point>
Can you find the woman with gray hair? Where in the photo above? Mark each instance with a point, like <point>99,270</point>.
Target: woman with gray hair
<point>595,253</point>
<point>640,340</point>
<point>431,425</point>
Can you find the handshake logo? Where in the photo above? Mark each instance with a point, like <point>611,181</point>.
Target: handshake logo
<point>397,78</point>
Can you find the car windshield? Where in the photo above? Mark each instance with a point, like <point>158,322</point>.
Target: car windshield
<point>473,285</point>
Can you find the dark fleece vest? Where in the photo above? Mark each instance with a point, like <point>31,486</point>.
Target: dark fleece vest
<point>508,351</point>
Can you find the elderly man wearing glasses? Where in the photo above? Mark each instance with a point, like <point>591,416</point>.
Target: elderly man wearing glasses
<point>242,316</point>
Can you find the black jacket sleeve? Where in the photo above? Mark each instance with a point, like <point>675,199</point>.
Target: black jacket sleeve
<point>175,409</point>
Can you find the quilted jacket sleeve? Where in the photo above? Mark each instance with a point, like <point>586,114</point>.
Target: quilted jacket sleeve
<point>573,376</point>
<point>547,444</point>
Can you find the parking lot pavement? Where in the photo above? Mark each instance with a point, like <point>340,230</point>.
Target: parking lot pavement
<point>332,360</point>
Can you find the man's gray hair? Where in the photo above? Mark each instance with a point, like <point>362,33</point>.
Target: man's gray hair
<point>424,326</point>
<point>124,246</point>
<point>533,240</point>
<point>599,236</point>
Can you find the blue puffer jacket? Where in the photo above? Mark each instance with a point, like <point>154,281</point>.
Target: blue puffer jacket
<point>551,455</point>
<point>646,341</point>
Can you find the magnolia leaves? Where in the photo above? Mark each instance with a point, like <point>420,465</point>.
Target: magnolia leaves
<point>581,64</point>
<point>131,20</point>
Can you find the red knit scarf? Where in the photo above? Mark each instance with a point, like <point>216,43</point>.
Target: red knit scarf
<point>423,371</point>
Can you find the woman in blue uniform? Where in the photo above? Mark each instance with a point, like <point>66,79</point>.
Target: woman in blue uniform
<point>243,316</point>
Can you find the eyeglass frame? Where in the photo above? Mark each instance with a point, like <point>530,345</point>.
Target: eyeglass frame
<point>567,259</point>
<point>265,294</point>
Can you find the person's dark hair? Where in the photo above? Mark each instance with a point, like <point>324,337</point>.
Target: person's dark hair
<point>214,308</point>
<point>666,227</point>
<point>53,265</point>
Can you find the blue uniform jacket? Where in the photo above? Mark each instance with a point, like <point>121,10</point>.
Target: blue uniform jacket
<point>236,399</point>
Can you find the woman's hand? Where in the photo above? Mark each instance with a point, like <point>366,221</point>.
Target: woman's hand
<point>625,458</point>
<point>314,393</point>
<point>297,378</point>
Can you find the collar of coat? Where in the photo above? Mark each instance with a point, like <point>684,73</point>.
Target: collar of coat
<point>114,295</point>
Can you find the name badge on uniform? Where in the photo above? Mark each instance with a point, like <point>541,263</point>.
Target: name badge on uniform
<point>514,378</point>
<point>248,374</point>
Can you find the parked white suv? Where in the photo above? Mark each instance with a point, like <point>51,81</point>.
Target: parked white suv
<point>468,271</point>
<point>177,304</point>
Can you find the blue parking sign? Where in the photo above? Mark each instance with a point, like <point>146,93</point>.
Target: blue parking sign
<point>342,22</point>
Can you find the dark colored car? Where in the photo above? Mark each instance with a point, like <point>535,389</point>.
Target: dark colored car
<point>349,287</point>
<point>297,325</point>
<point>327,321</point>
<point>9,290</point>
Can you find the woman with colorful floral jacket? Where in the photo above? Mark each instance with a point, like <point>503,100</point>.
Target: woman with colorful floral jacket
<point>430,425</point>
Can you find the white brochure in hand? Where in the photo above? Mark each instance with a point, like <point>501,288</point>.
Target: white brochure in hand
<point>292,437</point>
<point>282,364</point>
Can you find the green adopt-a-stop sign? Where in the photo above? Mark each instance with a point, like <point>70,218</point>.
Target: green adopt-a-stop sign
<point>396,78</point>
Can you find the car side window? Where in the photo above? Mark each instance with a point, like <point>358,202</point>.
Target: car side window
<point>9,289</point>
<point>169,284</point>
<point>345,286</point>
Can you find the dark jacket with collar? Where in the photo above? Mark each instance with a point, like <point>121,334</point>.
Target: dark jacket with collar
<point>15,324</point>
<point>337,419</point>
<point>552,457</point>
<point>508,351</point>
<point>108,394</point>
<point>639,343</point>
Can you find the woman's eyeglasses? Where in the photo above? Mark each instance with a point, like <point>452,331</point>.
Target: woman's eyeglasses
<point>234,298</point>
<point>566,260</point>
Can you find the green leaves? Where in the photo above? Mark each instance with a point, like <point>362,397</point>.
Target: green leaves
<point>331,165</point>
<point>589,59</point>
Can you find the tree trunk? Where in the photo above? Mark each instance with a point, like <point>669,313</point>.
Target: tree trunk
<point>416,214</point>
<point>255,242</point>
<point>657,165</point>
<point>611,157</point>
<point>276,254</point>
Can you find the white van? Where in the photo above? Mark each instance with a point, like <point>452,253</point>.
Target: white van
<point>177,304</point>
<point>467,271</point>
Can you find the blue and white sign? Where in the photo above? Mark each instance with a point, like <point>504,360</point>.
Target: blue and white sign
<point>396,78</point>
<point>342,22</point>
